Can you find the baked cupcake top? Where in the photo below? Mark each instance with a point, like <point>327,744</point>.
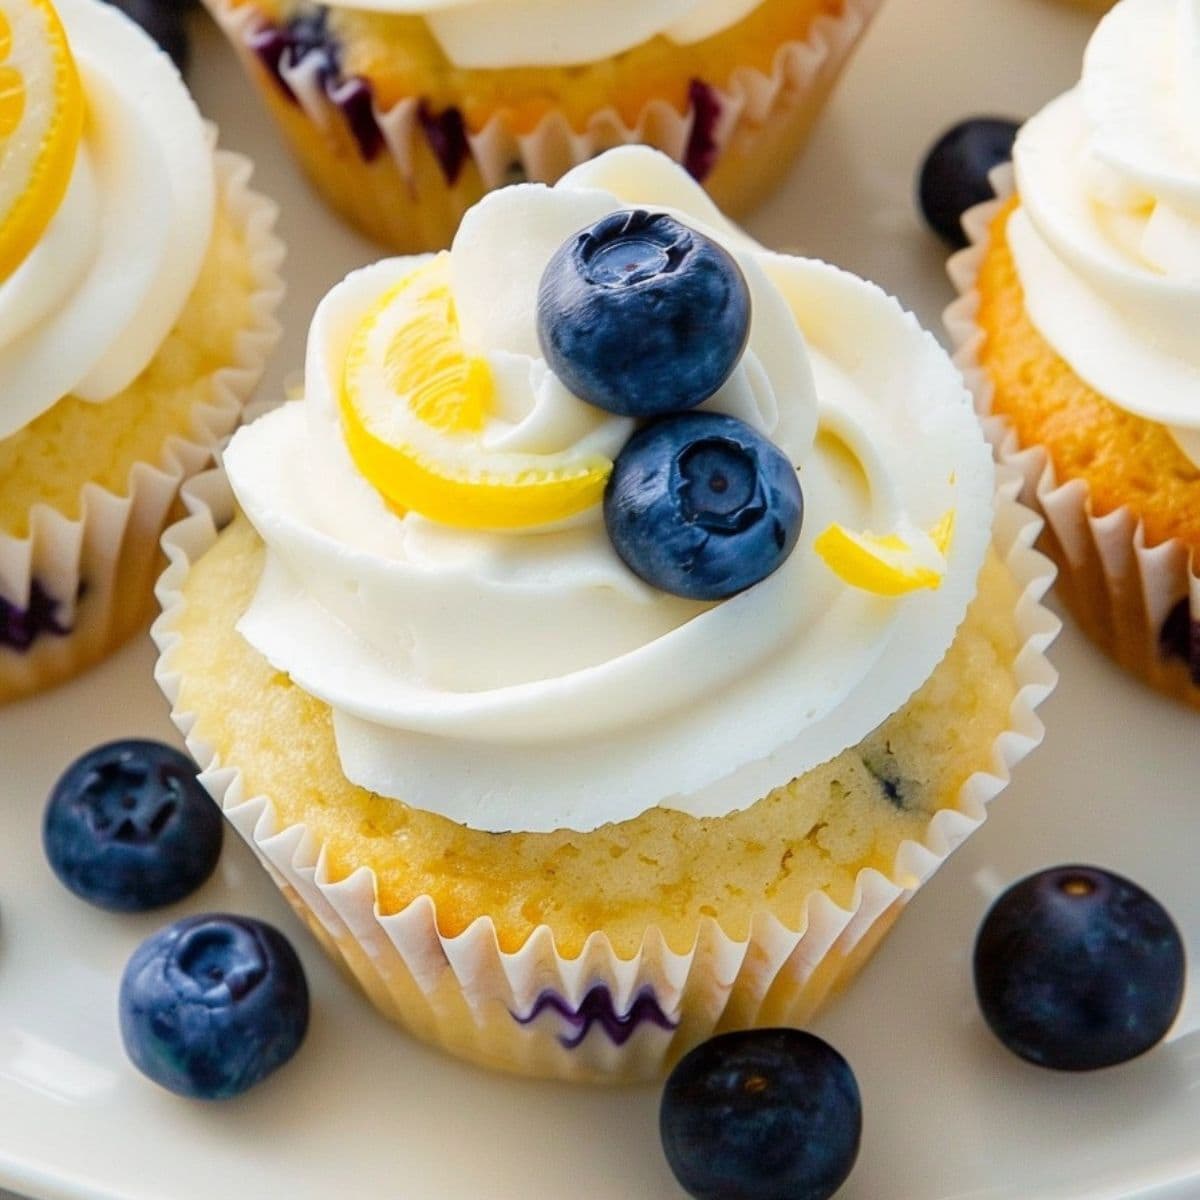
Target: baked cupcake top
<point>1107,236</point>
<point>485,649</point>
<point>88,305</point>
<point>559,33</point>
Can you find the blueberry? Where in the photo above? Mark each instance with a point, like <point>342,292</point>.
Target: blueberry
<point>212,1005</point>
<point>128,827</point>
<point>641,316</point>
<point>702,506</point>
<point>163,21</point>
<point>954,176</point>
<point>1077,968</point>
<point>763,1114</point>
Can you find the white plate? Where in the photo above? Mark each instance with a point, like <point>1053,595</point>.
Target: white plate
<point>364,1111</point>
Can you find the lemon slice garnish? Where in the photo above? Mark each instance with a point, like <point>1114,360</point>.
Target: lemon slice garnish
<point>888,564</point>
<point>41,122</point>
<point>415,405</point>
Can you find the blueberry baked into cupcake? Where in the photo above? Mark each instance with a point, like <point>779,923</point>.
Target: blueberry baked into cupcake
<point>138,282</point>
<point>404,112</point>
<point>1080,299</point>
<point>614,636</point>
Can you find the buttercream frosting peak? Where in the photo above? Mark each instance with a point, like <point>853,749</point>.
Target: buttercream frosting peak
<point>89,307</point>
<point>527,680</point>
<point>1107,237</point>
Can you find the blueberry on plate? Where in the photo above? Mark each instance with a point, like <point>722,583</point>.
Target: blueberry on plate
<point>212,1005</point>
<point>640,315</point>
<point>128,827</point>
<point>762,1114</point>
<point>1077,968</point>
<point>954,176</point>
<point>163,21</point>
<point>702,506</point>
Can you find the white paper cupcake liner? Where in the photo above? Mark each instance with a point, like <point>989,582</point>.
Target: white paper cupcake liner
<point>1141,603</point>
<point>99,569</point>
<point>799,70</point>
<point>598,1016</point>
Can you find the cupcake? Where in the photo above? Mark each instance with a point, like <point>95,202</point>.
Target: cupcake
<point>579,729</point>
<point>404,112</point>
<point>1076,325</point>
<point>138,282</point>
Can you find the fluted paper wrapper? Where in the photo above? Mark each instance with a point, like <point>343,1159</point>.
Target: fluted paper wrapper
<point>100,567</point>
<point>1141,603</point>
<point>468,996</point>
<point>403,198</point>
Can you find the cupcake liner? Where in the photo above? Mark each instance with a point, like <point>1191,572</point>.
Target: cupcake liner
<point>1140,603</point>
<point>399,172</point>
<point>73,589</point>
<point>598,1017</point>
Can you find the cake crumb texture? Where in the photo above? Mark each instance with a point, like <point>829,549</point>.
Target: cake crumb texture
<point>402,59</point>
<point>75,442</point>
<point>1123,458</point>
<point>662,868</point>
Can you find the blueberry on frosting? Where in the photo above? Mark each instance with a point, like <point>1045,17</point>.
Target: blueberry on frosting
<point>702,506</point>
<point>641,316</point>
<point>212,1005</point>
<point>128,827</point>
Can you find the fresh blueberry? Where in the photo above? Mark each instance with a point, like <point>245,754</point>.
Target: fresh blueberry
<point>954,176</point>
<point>1077,968</point>
<point>641,316</point>
<point>702,506</point>
<point>163,21</point>
<point>212,1005</point>
<point>128,827</point>
<point>762,1114</point>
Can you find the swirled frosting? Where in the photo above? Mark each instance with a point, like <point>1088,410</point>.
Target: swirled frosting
<point>89,307</point>
<point>559,33</point>
<point>527,680</point>
<point>1107,236</point>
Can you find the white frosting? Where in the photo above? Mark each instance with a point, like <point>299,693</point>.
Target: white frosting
<point>89,307</point>
<point>529,680</point>
<point>559,33</point>
<point>1107,238</point>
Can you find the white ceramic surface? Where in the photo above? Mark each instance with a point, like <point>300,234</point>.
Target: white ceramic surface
<point>364,1111</point>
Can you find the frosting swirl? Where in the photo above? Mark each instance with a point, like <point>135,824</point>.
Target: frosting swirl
<point>89,307</point>
<point>527,679</point>
<point>542,33</point>
<point>1107,237</point>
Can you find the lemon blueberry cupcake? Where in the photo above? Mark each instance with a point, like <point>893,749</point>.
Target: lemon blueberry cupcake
<point>614,636</point>
<point>138,278</point>
<point>1078,319</point>
<point>403,112</point>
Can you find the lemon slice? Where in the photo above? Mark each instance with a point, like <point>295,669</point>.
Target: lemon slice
<point>888,564</point>
<point>415,405</point>
<point>41,121</point>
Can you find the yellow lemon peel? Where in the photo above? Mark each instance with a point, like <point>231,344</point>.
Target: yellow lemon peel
<point>41,122</point>
<point>885,564</point>
<point>414,406</point>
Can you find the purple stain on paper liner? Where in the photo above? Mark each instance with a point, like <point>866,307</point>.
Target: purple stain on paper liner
<point>702,150</point>
<point>1179,638</point>
<point>283,48</point>
<point>446,133</point>
<point>597,1008</point>
<point>353,97</point>
<point>21,627</point>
